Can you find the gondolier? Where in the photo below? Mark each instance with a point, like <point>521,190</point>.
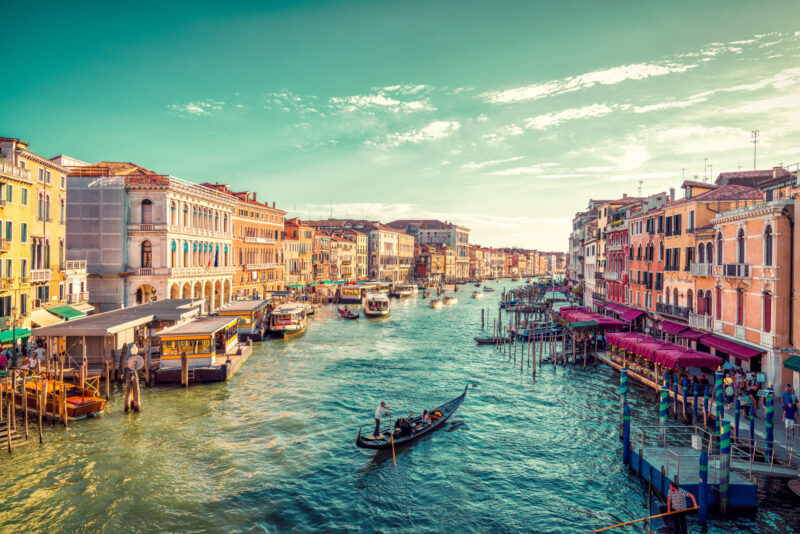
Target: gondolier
<point>379,413</point>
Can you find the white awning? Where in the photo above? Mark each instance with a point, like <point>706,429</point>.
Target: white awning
<point>82,306</point>
<point>44,318</point>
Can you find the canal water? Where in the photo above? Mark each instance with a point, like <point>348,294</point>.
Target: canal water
<point>273,449</point>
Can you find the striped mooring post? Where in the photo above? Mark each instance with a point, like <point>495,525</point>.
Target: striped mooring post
<point>720,413</point>
<point>725,465</point>
<point>675,396</point>
<point>705,406</point>
<point>752,431</point>
<point>702,497</point>
<point>663,412</point>
<point>685,394</point>
<point>626,435</point>
<point>694,404</point>
<point>623,394</point>
<point>769,425</point>
<point>737,406</point>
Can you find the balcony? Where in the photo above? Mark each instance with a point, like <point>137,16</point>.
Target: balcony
<point>153,227</point>
<point>12,171</point>
<point>703,322</point>
<point>672,310</point>
<point>598,275</point>
<point>615,277</point>
<point>734,270</point>
<point>76,298</point>
<point>6,282</point>
<point>260,240</point>
<point>4,245</point>
<point>701,269</point>
<point>39,276</point>
<point>598,296</point>
<point>75,266</point>
<point>260,266</point>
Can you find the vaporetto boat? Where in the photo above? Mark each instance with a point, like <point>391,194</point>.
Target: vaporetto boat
<point>376,305</point>
<point>288,320</point>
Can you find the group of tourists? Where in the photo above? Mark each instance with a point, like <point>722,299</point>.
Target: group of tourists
<point>403,426</point>
<point>32,354</point>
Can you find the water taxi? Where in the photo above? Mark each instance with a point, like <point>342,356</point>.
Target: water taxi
<point>288,320</point>
<point>81,402</point>
<point>405,291</point>
<point>376,305</point>
<point>477,295</point>
<point>436,303</point>
<point>487,289</point>
<point>450,300</point>
<point>252,315</point>
<point>352,294</point>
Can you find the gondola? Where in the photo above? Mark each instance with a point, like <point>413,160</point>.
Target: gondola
<point>490,340</point>
<point>347,314</point>
<point>384,441</point>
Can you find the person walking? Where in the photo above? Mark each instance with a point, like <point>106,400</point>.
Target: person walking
<point>676,502</point>
<point>788,396</point>
<point>789,414</point>
<point>379,413</point>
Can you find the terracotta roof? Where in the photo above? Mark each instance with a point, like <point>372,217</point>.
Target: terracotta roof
<point>118,168</point>
<point>694,183</point>
<point>755,178</point>
<point>723,193</point>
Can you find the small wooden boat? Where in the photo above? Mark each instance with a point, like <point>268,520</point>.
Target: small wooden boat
<point>347,314</point>
<point>477,284</point>
<point>487,289</point>
<point>477,295</point>
<point>439,416</point>
<point>490,340</point>
<point>436,303</point>
<point>449,301</point>
<point>81,401</point>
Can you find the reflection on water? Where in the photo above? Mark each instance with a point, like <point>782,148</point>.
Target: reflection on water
<point>274,449</point>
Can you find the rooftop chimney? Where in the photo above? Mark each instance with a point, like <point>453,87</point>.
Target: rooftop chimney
<point>624,195</point>
<point>255,196</point>
<point>777,171</point>
<point>671,194</point>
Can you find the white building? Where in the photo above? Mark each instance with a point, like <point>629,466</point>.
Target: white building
<point>147,237</point>
<point>433,232</point>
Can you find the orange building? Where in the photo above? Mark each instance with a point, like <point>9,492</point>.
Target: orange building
<point>298,249</point>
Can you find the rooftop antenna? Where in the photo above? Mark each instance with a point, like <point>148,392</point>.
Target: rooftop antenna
<point>705,169</point>
<point>640,187</point>
<point>755,143</point>
<point>683,173</point>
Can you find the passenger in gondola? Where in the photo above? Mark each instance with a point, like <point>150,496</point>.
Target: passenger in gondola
<point>426,418</point>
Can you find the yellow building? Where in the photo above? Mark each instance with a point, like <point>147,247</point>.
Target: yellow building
<point>33,197</point>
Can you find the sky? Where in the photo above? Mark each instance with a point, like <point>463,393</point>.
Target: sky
<point>504,117</point>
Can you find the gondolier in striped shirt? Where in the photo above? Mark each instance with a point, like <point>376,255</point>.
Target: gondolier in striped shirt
<point>379,413</point>
<point>676,502</point>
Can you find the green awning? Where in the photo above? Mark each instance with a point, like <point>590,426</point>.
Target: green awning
<point>580,325</point>
<point>554,295</point>
<point>66,312</point>
<point>7,336</point>
<point>296,285</point>
<point>793,363</point>
<point>558,305</point>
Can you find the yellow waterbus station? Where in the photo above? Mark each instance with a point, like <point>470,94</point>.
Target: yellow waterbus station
<point>252,317</point>
<point>211,346</point>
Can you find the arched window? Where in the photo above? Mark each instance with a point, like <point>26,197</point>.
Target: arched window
<point>661,251</point>
<point>719,248</point>
<point>639,253</point>
<point>40,207</point>
<point>690,300</point>
<point>147,254</point>
<point>667,294</point>
<point>707,303</point>
<point>185,215</point>
<point>719,303</point>
<point>147,211</point>
<point>173,214</point>
<point>62,211</point>
<point>701,308</point>
<point>173,254</point>
<point>675,296</point>
<point>185,254</point>
<point>767,312</point>
<point>768,246</point>
<point>709,252</point>
<point>740,246</point>
<point>701,249</point>
<point>47,207</point>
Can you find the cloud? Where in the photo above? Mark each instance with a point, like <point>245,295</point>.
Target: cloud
<point>480,165</point>
<point>612,76</point>
<point>701,139</point>
<point>547,120</point>
<point>768,104</point>
<point>670,105</point>
<point>432,132</point>
<point>379,101</point>
<point>197,108</point>
<point>539,168</point>
<point>408,89</point>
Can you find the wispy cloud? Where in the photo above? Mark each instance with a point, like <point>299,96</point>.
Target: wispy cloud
<point>539,168</point>
<point>768,104</point>
<point>611,76</point>
<point>379,101</point>
<point>197,108</point>
<point>547,120</point>
<point>431,132</point>
<point>672,104</point>
<point>473,165</point>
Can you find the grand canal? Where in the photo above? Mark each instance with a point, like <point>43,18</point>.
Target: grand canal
<point>273,449</point>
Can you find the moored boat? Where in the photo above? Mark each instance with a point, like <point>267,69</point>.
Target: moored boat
<point>449,301</point>
<point>347,314</point>
<point>80,401</point>
<point>376,305</point>
<point>477,295</point>
<point>436,303</point>
<point>386,440</point>
<point>288,320</point>
<point>487,289</point>
<point>405,291</point>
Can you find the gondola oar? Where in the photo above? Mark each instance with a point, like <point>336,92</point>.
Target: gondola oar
<point>645,518</point>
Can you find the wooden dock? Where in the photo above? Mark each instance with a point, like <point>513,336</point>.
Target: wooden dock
<point>224,368</point>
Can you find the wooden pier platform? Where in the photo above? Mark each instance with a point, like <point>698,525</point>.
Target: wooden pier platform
<point>224,368</point>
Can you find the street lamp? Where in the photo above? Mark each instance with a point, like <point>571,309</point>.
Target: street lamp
<point>11,323</point>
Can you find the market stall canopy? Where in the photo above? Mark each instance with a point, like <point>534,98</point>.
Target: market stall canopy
<point>743,352</point>
<point>44,318</point>
<point>66,312</point>
<point>793,363</point>
<point>691,334</point>
<point>83,307</point>
<point>672,328</point>
<point>679,356</point>
<point>8,336</point>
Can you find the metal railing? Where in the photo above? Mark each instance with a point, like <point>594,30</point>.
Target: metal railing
<point>734,270</point>
<point>671,309</point>
<point>75,265</point>
<point>41,275</point>
<point>75,298</point>
<point>14,171</point>
<point>702,321</point>
<point>609,275</point>
<point>701,269</point>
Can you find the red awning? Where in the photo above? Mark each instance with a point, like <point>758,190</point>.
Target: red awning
<point>743,352</point>
<point>598,305</point>
<point>672,328</point>
<point>691,334</point>
<point>678,356</point>
<point>613,307</point>
<point>630,314</point>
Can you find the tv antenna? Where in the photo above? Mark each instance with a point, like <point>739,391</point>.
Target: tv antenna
<point>640,186</point>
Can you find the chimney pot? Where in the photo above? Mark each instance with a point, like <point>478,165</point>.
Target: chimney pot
<point>671,194</point>
<point>255,195</point>
<point>624,195</point>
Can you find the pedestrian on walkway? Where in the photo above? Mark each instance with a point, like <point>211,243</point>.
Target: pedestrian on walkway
<point>788,396</point>
<point>789,414</point>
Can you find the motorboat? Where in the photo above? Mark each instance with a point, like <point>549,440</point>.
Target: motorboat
<point>376,305</point>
